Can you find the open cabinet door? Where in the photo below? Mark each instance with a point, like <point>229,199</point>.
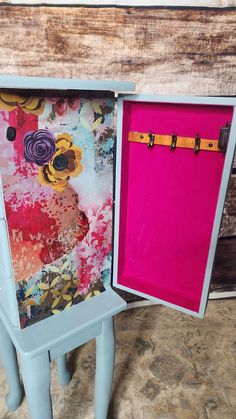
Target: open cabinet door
<point>171,180</point>
<point>56,193</point>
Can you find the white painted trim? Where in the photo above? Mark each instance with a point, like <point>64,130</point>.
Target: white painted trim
<point>224,294</point>
<point>131,3</point>
<point>142,303</point>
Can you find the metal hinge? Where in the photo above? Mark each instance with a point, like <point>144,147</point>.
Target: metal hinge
<point>224,137</point>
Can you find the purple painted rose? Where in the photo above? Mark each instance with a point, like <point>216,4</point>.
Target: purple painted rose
<point>39,147</point>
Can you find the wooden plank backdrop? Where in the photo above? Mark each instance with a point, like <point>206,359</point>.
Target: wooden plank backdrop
<point>164,50</point>
<point>195,3</point>
<point>185,51</point>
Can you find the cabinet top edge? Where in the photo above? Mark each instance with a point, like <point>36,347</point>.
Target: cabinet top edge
<point>51,83</point>
<point>198,100</point>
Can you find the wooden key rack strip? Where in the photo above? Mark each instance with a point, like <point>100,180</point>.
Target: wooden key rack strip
<point>173,141</point>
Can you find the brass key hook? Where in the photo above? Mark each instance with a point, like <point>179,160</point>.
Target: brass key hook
<point>173,141</point>
<point>151,140</point>
<point>197,144</point>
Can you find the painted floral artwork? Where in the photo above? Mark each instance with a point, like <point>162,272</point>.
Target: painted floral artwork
<point>56,155</point>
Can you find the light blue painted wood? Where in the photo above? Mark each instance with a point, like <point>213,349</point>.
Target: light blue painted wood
<point>21,82</point>
<point>54,330</point>
<point>79,339</point>
<point>37,379</point>
<point>105,358</point>
<point>64,374</point>
<point>194,100</point>
<point>53,337</point>
<point>9,360</point>
<point>7,284</point>
<point>219,211</point>
<point>198,100</point>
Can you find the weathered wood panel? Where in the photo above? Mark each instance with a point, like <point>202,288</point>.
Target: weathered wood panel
<point>194,3</point>
<point>164,50</point>
<point>228,227</point>
<point>224,274</point>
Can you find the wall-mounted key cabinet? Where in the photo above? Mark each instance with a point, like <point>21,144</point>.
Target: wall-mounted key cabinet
<point>173,161</point>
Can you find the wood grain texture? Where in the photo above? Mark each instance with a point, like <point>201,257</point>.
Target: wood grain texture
<point>228,227</point>
<point>188,3</point>
<point>167,51</point>
<point>224,273</point>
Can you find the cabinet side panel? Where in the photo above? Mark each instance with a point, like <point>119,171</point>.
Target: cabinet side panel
<point>7,285</point>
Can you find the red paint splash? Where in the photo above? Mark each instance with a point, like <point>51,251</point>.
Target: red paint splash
<point>23,123</point>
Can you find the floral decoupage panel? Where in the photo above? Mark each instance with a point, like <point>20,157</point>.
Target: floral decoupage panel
<point>56,162</point>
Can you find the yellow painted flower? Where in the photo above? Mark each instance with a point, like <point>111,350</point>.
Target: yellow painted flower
<point>66,162</point>
<point>92,294</point>
<point>29,104</point>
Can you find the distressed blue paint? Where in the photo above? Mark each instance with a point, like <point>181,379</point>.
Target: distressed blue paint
<point>8,357</point>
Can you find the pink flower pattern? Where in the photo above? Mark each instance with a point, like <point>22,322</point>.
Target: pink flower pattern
<point>94,249</point>
<point>62,105</point>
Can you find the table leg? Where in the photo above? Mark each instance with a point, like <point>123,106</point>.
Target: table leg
<point>105,357</point>
<point>64,374</point>
<point>9,359</point>
<point>37,379</point>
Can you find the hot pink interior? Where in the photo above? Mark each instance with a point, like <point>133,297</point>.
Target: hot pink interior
<point>168,201</point>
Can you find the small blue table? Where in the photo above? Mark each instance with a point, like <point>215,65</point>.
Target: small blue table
<point>51,339</point>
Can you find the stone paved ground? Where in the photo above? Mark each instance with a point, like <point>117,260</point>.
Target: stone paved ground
<point>168,366</point>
